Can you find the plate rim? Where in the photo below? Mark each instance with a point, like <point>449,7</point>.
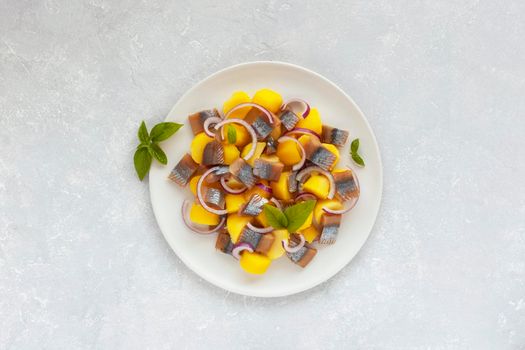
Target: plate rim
<point>217,282</point>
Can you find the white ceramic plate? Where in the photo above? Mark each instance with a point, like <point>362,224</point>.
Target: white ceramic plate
<point>283,277</point>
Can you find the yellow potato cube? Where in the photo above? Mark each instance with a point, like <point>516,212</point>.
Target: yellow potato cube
<point>254,262</point>
<point>243,136</point>
<point>288,152</point>
<point>234,202</point>
<point>234,183</point>
<point>317,185</point>
<point>193,184</point>
<point>201,216</point>
<point>197,146</point>
<point>259,148</point>
<point>312,122</point>
<point>269,99</point>
<point>328,203</point>
<point>280,188</point>
<point>231,153</point>
<point>277,250</point>
<point>237,98</point>
<point>310,233</point>
<point>235,223</point>
<point>303,139</point>
<point>262,220</point>
<point>334,150</point>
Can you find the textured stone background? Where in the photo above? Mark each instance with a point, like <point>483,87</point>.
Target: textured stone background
<point>82,262</point>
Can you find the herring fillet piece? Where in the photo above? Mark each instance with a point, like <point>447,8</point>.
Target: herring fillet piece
<point>214,197</point>
<point>267,170</point>
<point>335,136</point>
<point>197,119</point>
<point>346,185</point>
<point>183,171</point>
<point>330,225</point>
<point>319,155</point>
<point>243,172</point>
<point>250,236</point>
<point>303,256</point>
<point>289,119</point>
<point>254,206</point>
<point>224,243</point>
<point>213,153</point>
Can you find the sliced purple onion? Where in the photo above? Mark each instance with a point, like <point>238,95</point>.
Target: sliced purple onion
<point>298,106</point>
<point>266,112</point>
<point>194,227</point>
<point>305,196</point>
<point>240,247</point>
<point>247,126</point>
<point>264,187</point>
<point>208,122</point>
<point>230,190</point>
<point>295,248</point>
<point>276,202</point>
<point>303,152</point>
<point>259,229</point>
<point>315,169</point>
<point>341,211</point>
<point>199,193</point>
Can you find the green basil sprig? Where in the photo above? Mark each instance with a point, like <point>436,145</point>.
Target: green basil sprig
<point>292,218</point>
<point>148,147</point>
<point>354,147</point>
<point>232,135</point>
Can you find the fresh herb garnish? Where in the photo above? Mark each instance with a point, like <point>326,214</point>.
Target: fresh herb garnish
<point>149,148</point>
<point>232,135</point>
<point>354,147</point>
<point>276,217</point>
<point>292,218</point>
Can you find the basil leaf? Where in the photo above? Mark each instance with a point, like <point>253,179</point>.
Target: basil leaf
<point>357,158</point>
<point>275,217</point>
<point>297,214</point>
<point>143,133</point>
<point>232,135</point>
<point>158,153</point>
<point>354,146</point>
<point>142,160</point>
<point>163,131</point>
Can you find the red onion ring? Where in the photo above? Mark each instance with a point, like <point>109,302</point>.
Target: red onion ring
<point>302,131</point>
<point>259,229</point>
<point>327,174</point>
<point>240,247</point>
<point>231,190</point>
<point>255,105</point>
<point>303,152</point>
<point>304,106</point>
<point>264,187</point>
<point>192,226</point>
<point>296,248</point>
<point>276,202</point>
<point>199,194</point>
<point>247,126</point>
<point>305,196</point>
<point>341,211</point>
<point>206,126</point>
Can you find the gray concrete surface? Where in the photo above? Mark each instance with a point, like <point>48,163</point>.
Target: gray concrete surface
<point>82,262</point>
